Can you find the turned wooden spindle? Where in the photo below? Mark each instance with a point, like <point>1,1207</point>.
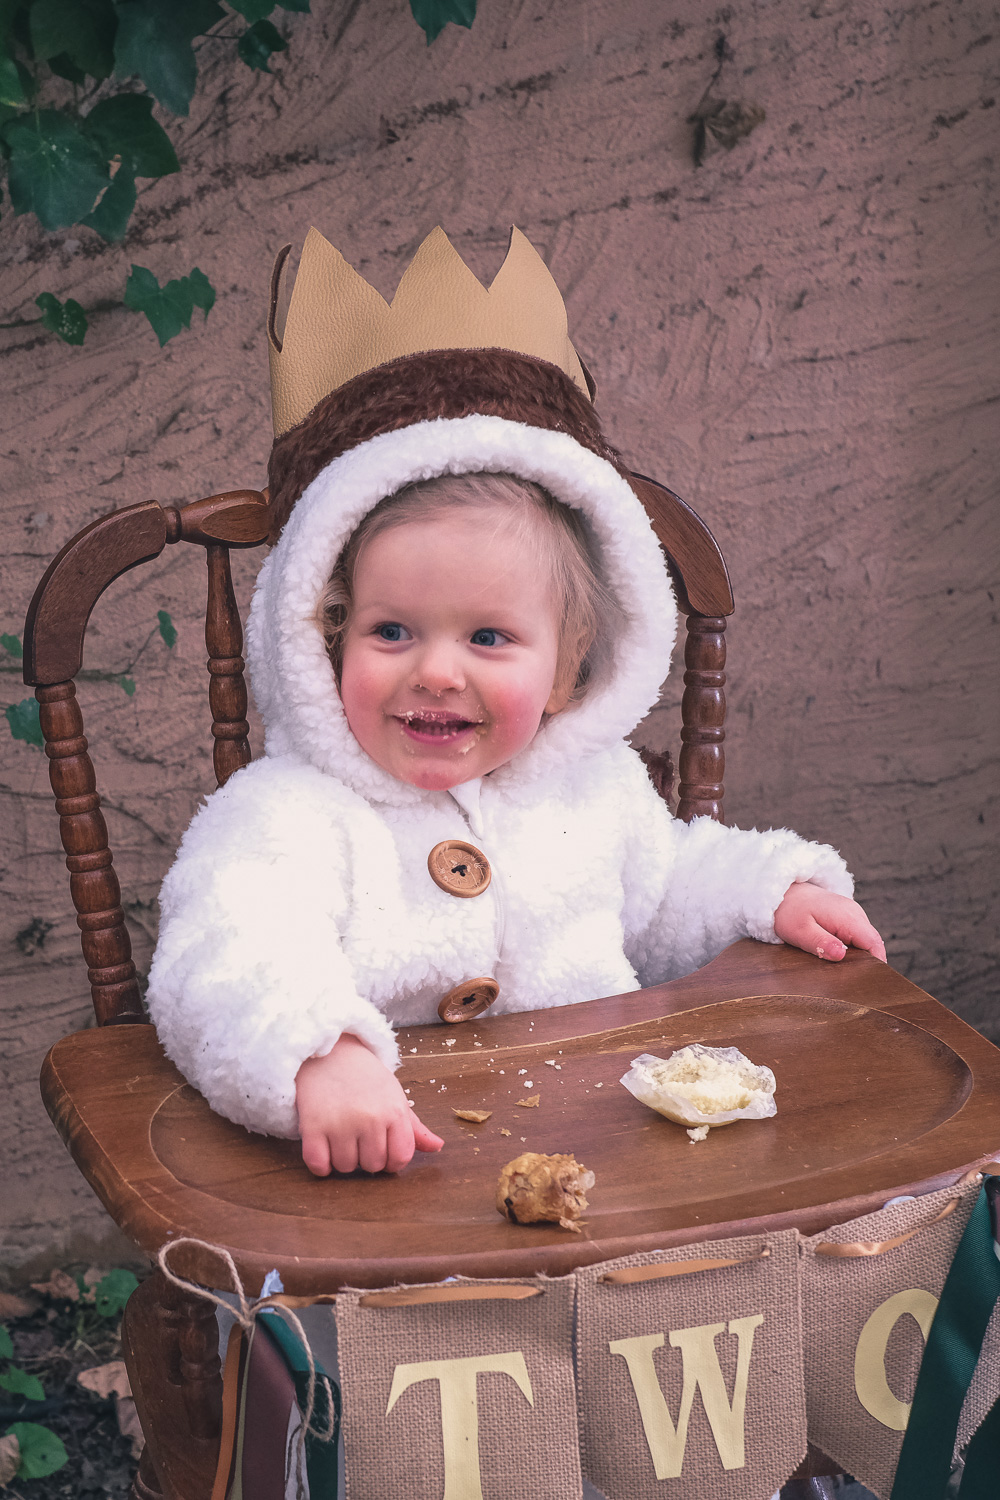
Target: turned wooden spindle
<point>235,519</point>
<point>191,1350</point>
<point>146,1484</point>
<point>93,882</point>
<point>227,692</point>
<point>703,710</point>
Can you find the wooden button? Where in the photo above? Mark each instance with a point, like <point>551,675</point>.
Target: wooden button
<point>468,1000</point>
<point>460,869</point>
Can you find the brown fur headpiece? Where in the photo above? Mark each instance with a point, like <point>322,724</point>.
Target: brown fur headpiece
<point>418,388</point>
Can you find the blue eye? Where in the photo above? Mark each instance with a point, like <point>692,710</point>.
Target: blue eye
<point>390,631</point>
<point>487,638</point>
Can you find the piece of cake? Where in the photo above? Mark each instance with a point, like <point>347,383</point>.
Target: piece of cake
<point>700,1085</point>
<point>535,1188</point>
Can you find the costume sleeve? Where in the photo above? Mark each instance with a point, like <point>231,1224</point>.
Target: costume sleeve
<point>249,977</point>
<point>693,888</point>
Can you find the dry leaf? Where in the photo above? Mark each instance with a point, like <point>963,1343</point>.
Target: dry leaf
<point>106,1380</point>
<point>12,1306</point>
<point>531,1102</point>
<point>504,1130</point>
<point>60,1285</point>
<point>477,1116</point>
<point>128,1423</point>
<point>10,1459</point>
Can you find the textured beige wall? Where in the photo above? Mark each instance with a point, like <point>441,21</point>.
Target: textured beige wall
<point>799,337</point>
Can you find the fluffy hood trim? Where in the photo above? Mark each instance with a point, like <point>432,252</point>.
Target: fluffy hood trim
<point>290,671</point>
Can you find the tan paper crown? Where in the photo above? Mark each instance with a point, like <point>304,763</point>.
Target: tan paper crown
<point>338,326</point>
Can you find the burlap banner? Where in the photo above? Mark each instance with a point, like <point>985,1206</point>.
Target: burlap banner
<point>460,1400</point>
<point>866,1314</point>
<point>690,1383</point>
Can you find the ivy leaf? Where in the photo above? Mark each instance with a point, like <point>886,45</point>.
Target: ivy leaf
<point>114,209</point>
<point>42,1452</point>
<point>55,171</point>
<point>127,685</point>
<point>253,10</point>
<point>20,1383</point>
<point>124,126</point>
<point>300,5</point>
<point>168,629</point>
<point>81,31</point>
<point>113,1291</point>
<point>24,722</point>
<point>66,319</point>
<point>64,66</point>
<point>15,82</point>
<point>432,16</point>
<point>6,1346</point>
<point>168,308</point>
<point>12,646</point>
<point>154,40</point>
<point>257,44</point>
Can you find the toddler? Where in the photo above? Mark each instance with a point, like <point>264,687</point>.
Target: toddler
<point>465,612</point>
<point>464,616</point>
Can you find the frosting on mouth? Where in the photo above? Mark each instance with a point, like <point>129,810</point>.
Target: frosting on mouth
<point>436,722</point>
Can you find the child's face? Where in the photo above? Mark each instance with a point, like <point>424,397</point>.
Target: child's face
<point>450,652</point>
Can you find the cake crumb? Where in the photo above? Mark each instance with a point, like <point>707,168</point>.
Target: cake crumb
<point>698,1134</point>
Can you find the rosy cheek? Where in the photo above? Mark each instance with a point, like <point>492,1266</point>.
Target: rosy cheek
<point>516,711</point>
<point>362,692</point>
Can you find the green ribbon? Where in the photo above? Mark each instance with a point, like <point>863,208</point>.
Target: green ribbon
<point>980,1477</point>
<point>951,1356</point>
<point>321,1458</point>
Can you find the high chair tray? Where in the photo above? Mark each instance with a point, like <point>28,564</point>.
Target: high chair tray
<point>880,1091</point>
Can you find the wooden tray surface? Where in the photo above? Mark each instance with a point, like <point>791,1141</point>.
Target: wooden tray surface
<point>880,1089</point>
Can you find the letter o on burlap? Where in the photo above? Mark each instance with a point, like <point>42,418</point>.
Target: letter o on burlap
<point>694,1377</point>
<point>864,1320</point>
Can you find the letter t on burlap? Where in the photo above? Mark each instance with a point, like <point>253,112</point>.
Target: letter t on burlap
<point>460,1400</point>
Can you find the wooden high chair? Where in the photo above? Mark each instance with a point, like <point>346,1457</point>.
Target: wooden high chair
<point>165,1166</point>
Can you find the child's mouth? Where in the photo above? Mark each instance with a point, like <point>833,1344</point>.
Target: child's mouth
<point>431,726</point>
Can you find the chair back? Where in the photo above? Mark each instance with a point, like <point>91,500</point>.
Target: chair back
<point>53,655</point>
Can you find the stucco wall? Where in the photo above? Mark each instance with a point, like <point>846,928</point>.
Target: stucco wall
<point>799,337</point>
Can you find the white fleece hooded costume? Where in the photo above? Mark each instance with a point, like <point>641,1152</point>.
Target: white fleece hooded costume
<point>300,905</point>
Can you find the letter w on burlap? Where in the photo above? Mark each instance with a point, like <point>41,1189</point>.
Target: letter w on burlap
<point>460,1400</point>
<point>691,1384</point>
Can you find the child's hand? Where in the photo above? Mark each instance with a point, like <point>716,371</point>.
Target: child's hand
<point>820,922</point>
<point>353,1113</point>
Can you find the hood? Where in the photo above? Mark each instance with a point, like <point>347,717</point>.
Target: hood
<point>290,672</point>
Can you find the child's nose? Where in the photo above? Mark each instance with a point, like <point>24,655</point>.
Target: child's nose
<point>439,669</point>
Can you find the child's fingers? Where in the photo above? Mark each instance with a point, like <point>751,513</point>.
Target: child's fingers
<point>860,933</point>
<point>424,1139</point>
<point>372,1149</point>
<point>814,938</point>
<point>344,1153</point>
<point>316,1154</point>
<point>399,1145</point>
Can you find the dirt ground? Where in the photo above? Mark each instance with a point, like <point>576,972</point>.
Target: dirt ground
<point>55,1340</point>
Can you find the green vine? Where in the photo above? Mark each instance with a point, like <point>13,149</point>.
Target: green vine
<point>78,84</point>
